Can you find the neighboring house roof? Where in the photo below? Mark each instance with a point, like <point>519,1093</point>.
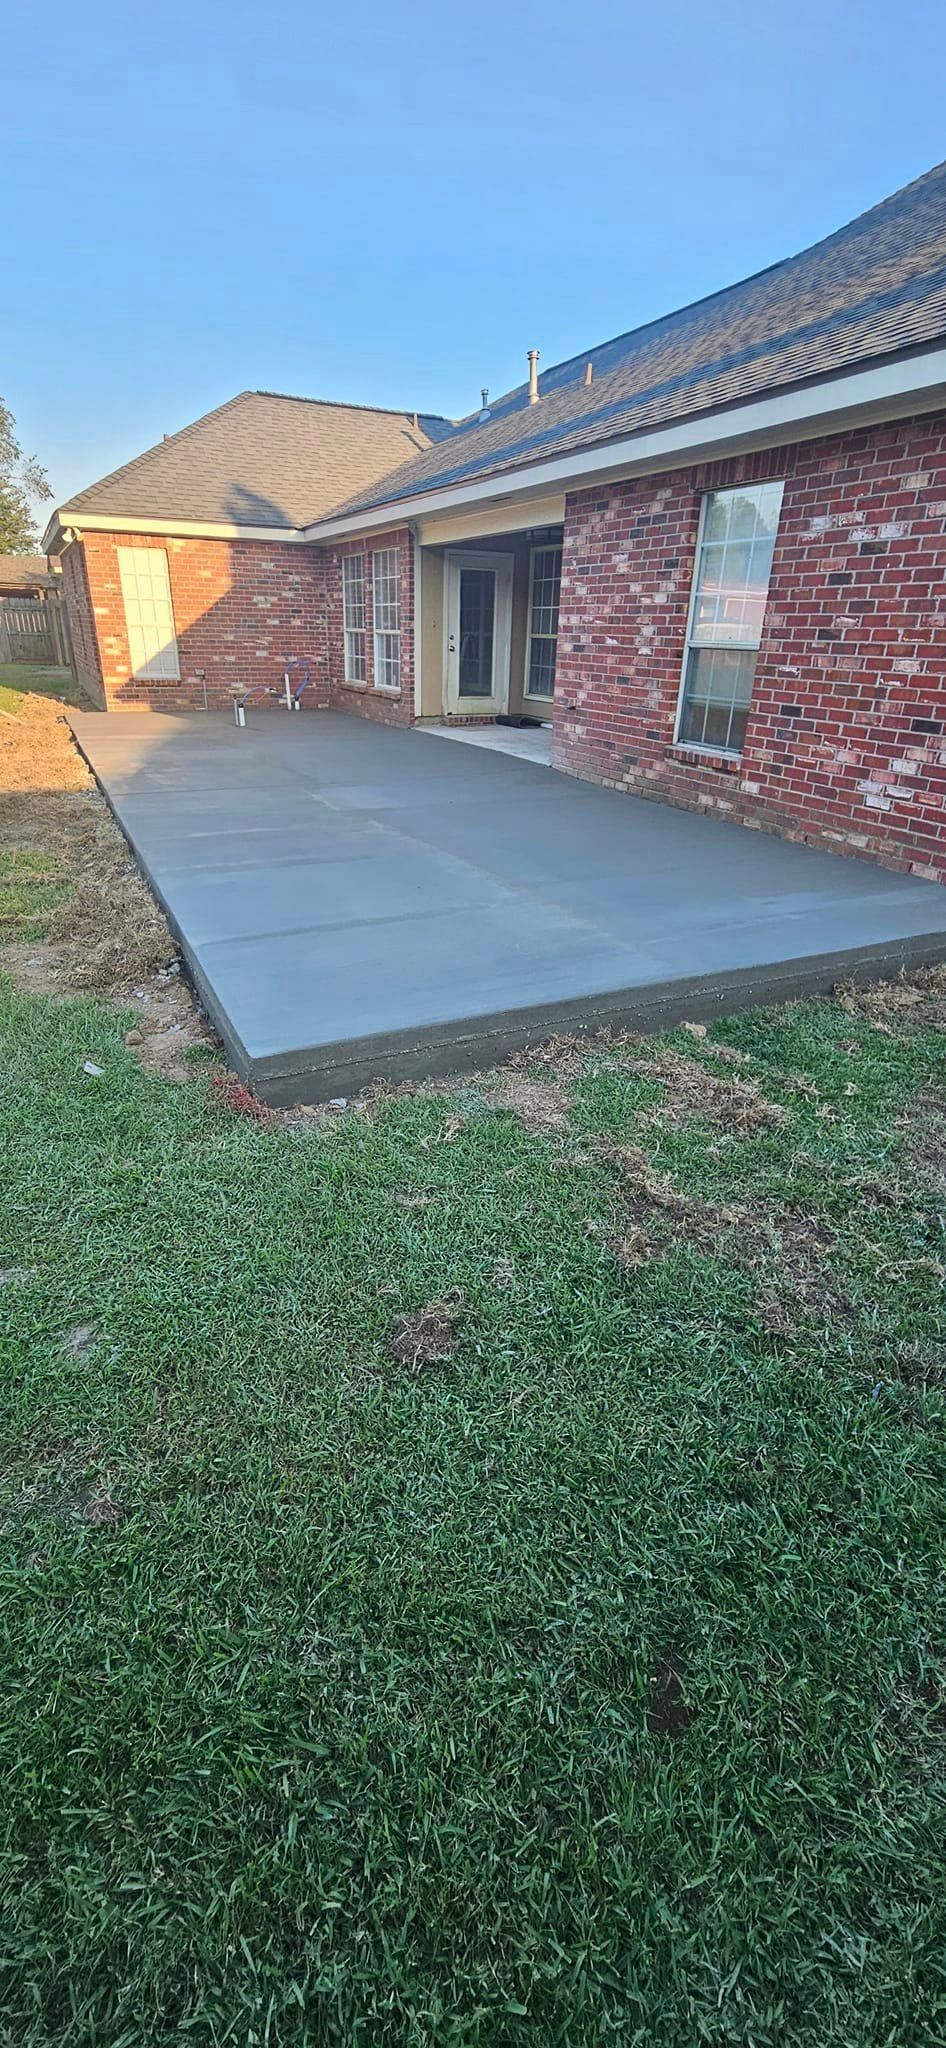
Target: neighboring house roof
<point>876,287</point>
<point>260,460</point>
<point>25,572</point>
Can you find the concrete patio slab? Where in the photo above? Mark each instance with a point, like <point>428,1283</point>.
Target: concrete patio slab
<point>528,743</point>
<point>353,902</point>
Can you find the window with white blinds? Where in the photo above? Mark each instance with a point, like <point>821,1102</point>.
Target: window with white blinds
<point>149,617</point>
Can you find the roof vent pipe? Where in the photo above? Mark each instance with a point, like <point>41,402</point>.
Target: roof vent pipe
<point>589,372</point>
<point>533,376</point>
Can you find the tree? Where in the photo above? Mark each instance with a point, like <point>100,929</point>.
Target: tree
<point>22,482</point>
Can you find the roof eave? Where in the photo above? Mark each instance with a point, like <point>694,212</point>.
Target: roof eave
<point>888,388</point>
<point>65,520</point>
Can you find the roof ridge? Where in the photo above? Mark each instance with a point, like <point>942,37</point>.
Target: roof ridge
<point>391,412</point>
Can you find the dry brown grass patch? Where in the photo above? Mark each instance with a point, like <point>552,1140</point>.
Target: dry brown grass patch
<point>918,1363</point>
<point>427,1335</point>
<point>793,1253</point>
<point>914,1001</point>
<point>657,1214</point>
<point>540,1105</point>
<point>693,1093</point>
<point>802,1282</point>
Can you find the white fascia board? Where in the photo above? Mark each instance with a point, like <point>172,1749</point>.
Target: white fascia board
<point>184,529</point>
<point>890,390</point>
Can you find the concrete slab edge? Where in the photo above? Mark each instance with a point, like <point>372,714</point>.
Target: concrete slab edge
<point>463,1045</point>
<point>471,1043</point>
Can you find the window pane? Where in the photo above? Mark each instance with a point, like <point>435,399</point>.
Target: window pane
<point>353,613</point>
<point>543,621</point>
<point>716,518</point>
<point>387,661</point>
<point>735,566</point>
<point>541,679</point>
<point>742,516</point>
<point>385,590</point>
<point>768,507</point>
<point>385,598</point>
<point>546,583</point>
<point>477,616</point>
<point>716,699</point>
<point>355,670</point>
<point>353,590</point>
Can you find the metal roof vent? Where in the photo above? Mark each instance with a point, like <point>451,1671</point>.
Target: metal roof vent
<point>533,355</point>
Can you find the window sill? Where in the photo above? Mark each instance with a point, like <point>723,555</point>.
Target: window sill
<point>347,684</point>
<point>726,760</point>
<point>384,690</point>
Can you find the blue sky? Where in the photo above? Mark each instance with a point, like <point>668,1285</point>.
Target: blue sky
<point>391,203</point>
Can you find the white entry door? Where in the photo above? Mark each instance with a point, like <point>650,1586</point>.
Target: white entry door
<point>478,619</point>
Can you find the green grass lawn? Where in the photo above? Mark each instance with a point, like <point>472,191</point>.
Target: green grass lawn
<point>18,679</point>
<point>584,1683</point>
<point>32,886</point>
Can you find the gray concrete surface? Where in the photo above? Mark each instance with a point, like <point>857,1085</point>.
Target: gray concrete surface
<point>353,901</point>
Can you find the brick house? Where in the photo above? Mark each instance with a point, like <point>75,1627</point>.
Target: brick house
<point>712,551</point>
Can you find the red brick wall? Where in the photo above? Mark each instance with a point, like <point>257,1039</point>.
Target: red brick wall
<point>85,646</point>
<point>366,700</point>
<point>846,741</point>
<point>238,606</point>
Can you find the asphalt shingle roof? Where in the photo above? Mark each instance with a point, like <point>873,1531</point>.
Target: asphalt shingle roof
<point>24,572</point>
<point>874,288</point>
<point>260,460</point>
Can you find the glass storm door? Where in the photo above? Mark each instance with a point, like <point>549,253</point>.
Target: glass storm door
<point>478,614</point>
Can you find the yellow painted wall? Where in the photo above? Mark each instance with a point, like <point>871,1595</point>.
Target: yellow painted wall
<point>519,547</point>
<point>431,632</point>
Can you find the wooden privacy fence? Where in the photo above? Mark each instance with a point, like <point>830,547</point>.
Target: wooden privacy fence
<point>35,629</point>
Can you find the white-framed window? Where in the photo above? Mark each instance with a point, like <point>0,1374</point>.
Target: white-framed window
<point>545,582</point>
<point>386,605</point>
<point>353,613</point>
<point>146,594</point>
<point>727,607</point>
